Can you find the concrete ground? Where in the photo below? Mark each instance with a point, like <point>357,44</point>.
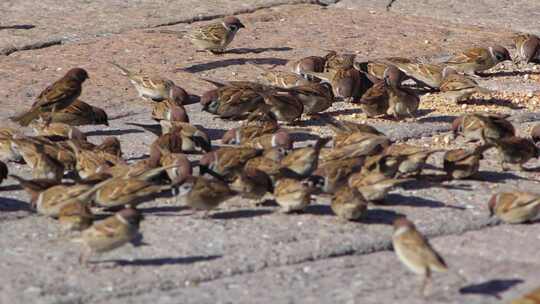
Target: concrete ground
<point>243,253</point>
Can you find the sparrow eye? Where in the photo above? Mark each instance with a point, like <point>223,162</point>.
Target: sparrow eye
<point>233,27</point>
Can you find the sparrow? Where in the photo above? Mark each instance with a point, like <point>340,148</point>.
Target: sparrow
<point>292,195</point>
<point>374,102</point>
<point>415,251</point>
<point>334,173</point>
<point>343,128</point>
<point>79,113</point>
<point>268,141</point>
<point>169,110</point>
<point>457,87</point>
<point>402,101</point>
<point>7,151</point>
<point>472,61</point>
<point>3,172</point>
<point>56,96</point>
<point>482,127</point>
<point>414,157</point>
<point>194,139</point>
<point>110,233</point>
<point>284,106</point>
<point>424,74</point>
<point>349,204</point>
<point>535,133</point>
<point>215,37</point>
<point>315,97</point>
<point>50,201</point>
<point>376,68</point>
<point>154,88</point>
<point>355,145</point>
<point>56,150</point>
<point>244,133</point>
<point>335,61</point>
<point>463,163</point>
<point>252,184</point>
<point>227,161</point>
<point>282,79</point>
<point>528,48</point>
<point>110,145</point>
<point>303,161</point>
<point>42,164</point>
<point>170,142</point>
<point>347,83</point>
<point>93,161</point>
<point>269,166</point>
<point>515,207</point>
<point>201,193</point>
<point>309,64</point>
<point>233,100</point>
<point>56,131</point>
<point>75,216</point>
<point>179,166</point>
<point>515,150</point>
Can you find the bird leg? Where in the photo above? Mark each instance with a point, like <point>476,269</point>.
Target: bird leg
<point>426,283</point>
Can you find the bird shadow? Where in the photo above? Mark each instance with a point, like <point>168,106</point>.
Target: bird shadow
<point>163,210</point>
<point>11,188</point>
<point>438,118</point>
<point>214,134</point>
<point>491,288</point>
<point>302,136</point>
<point>112,132</point>
<point>17,27</point>
<point>159,261</point>
<point>395,199</point>
<point>508,74</point>
<point>238,214</point>
<point>240,51</point>
<point>228,62</point>
<point>152,128</point>
<point>491,101</point>
<point>13,205</point>
<point>497,177</point>
<point>381,216</point>
<point>319,209</point>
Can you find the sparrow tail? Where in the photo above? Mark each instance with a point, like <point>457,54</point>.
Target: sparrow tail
<point>26,118</point>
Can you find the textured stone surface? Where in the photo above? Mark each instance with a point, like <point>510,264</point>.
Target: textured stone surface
<point>245,252</point>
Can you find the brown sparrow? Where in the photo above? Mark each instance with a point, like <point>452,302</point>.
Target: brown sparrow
<point>414,157</point>
<point>7,151</point>
<point>3,171</point>
<point>374,102</point>
<point>55,97</point>
<point>169,110</point>
<point>476,127</point>
<point>303,161</point>
<point>215,37</point>
<point>43,165</point>
<point>252,184</point>
<point>201,193</point>
<point>268,141</point>
<point>194,139</point>
<point>463,163</point>
<point>476,60</point>
<point>309,64</point>
<point>79,113</point>
<point>457,87</point>
<point>316,97</point>
<point>374,181</point>
<point>284,106</point>
<point>227,161</point>
<point>349,204</point>
<point>282,79</point>
<point>376,68</point>
<point>50,201</point>
<point>335,60</point>
<point>528,48</point>
<point>424,74</point>
<point>75,216</point>
<point>234,100</point>
<point>344,128</point>
<point>515,150</point>
<point>415,251</point>
<point>535,133</point>
<point>334,173</point>
<point>265,164</point>
<point>151,87</point>
<point>110,233</point>
<point>292,194</point>
<point>181,167</point>
<point>515,207</point>
<point>347,83</point>
<point>93,161</point>
<point>402,102</point>
<point>359,144</point>
<point>57,131</point>
<point>244,133</point>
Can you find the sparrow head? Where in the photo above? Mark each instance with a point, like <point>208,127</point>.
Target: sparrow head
<point>130,216</point>
<point>208,97</point>
<point>457,125</point>
<point>178,113</point>
<point>77,73</point>
<point>393,76</point>
<point>491,204</point>
<point>230,137</point>
<point>282,139</point>
<point>100,117</point>
<point>500,53</point>
<point>233,23</point>
<point>178,94</point>
<point>111,145</point>
<point>402,222</point>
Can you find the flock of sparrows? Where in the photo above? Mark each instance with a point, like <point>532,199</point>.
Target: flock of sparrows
<point>73,178</point>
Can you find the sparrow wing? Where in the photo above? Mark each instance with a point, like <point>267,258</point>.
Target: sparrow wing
<point>478,55</point>
<point>419,247</point>
<point>58,91</point>
<point>214,33</point>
